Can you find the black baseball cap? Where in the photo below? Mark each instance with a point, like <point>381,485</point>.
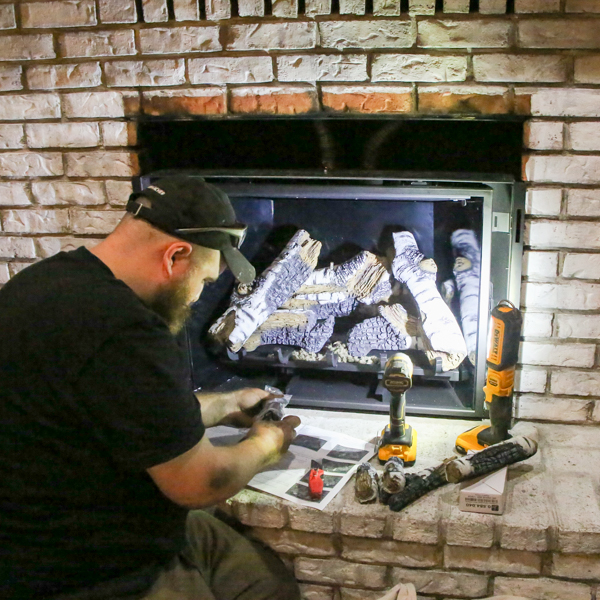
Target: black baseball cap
<point>198,212</point>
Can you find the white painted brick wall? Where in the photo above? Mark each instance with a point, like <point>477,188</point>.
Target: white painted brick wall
<point>30,164</point>
<point>163,40</point>
<point>49,246</point>
<point>537,324</point>
<point>26,47</point>
<point>366,550</point>
<point>352,7</point>
<point>540,265</point>
<point>386,8</point>
<point>442,583</point>
<point>83,193</point>
<point>230,69</point>
<point>145,73</point>
<point>537,6</point>
<point>563,102</point>
<point>17,247</point>
<point>51,13</point>
<point>340,572</point>
<point>474,33</point>
<point>583,203</point>
<point>4,273</point>
<point>581,266</point>
<point>64,135</point>
<point>573,566</point>
<point>522,68</point>
<point>155,11</point>
<point>584,136</point>
<point>93,105</point>
<point>587,69</point>
<point>21,107</point>
<point>322,67</point>
<point>11,137</point>
<point>118,192</point>
<point>575,383</point>
<point>544,135</point>
<point>94,221</point>
<point>117,11</point>
<point>118,133</point>
<point>495,560</point>
<point>101,164</point>
<point>576,294</point>
<point>545,588</point>
<point>563,234</point>
<point>10,78</point>
<point>35,221</point>
<point>531,380</point>
<point>582,6</point>
<point>13,194</point>
<point>578,326</point>
<point>367,34</point>
<point>543,201</point>
<point>418,67</point>
<point>119,42</point>
<point>563,169</point>
<point>272,36</point>
<point>543,408</point>
<point>492,7</point>
<point>559,355</point>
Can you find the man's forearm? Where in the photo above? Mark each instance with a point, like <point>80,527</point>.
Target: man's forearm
<point>215,407</point>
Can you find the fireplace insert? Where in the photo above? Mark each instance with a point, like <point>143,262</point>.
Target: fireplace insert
<point>349,214</point>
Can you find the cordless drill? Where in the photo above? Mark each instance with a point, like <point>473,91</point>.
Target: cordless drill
<point>398,438</point>
<point>503,353</point>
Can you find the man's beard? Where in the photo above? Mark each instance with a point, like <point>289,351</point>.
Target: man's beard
<point>172,304</point>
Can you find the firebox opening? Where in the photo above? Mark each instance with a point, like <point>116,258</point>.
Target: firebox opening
<point>345,182</point>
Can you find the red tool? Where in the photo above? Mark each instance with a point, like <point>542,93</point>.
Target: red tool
<point>315,480</point>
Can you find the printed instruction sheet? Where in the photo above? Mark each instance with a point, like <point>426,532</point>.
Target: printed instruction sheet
<point>339,455</point>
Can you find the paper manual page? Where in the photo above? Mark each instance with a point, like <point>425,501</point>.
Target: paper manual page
<point>485,494</point>
<point>339,454</point>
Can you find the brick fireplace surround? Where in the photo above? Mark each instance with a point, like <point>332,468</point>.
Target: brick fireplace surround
<point>76,75</point>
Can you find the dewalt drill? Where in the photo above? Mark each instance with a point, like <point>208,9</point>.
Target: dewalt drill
<point>398,438</point>
<point>503,352</point>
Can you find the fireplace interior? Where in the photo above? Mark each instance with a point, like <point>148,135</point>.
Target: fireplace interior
<point>351,184</point>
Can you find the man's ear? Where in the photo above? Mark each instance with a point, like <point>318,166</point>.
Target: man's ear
<point>175,258</point>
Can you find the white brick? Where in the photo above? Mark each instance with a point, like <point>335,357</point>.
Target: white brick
<point>587,69</point>
<point>92,105</point>
<point>340,572</point>
<point>385,8</point>
<point>540,265</point>
<point>26,47</point>
<point>544,135</point>
<point>63,135</point>
<point>272,36</point>
<point>585,136</point>
<point>251,8</point>
<point>10,78</point>
<point>560,355</point>
<point>552,33</point>
<point>7,16</point>
<point>563,102</point>
<point>94,221</point>
<point>582,6</point>
<point>541,588</point>
<point>362,526</point>
<point>64,13</point>
<point>456,6</point>
<point>563,234</point>
<point>229,69</point>
<point>117,11</point>
<point>15,267</point>
<point>578,326</point>
<point>531,380</point>
<point>421,7</point>
<point>576,566</point>
<point>217,10</point>
<point>315,592</point>
<point>287,541</point>
<point>582,266</point>
<point>321,67</point>
<point>537,6</point>
<point>35,221</point>
<point>118,192</point>
<point>543,201</point>
<point>474,33</point>
<point>258,510</point>
<point>102,164</point>
<point>492,7</point>
<point>51,77</point>
<point>576,294</point>
<point>352,7</point>
<point>528,512</point>
<point>575,383</point>
<point>543,408</point>
<point>473,529</point>
<point>118,133</point>
<point>583,203</point>
<point>578,522</point>
<point>402,554</point>
<point>286,9</point>
<point>186,10</point>
<point>520,68</point>
<point>314,8</point>
<point>537,324</point>
<point>155,11</point>
<point>367,34</point>
<point>11,137</point>
<point>178,40</point>
<point>118,42</point>
<point>418,67</point>
<point>492,560</point>
<point>83,193</point>
<point>29,106</point>
<point>13,194</point>
<point>49,246</point>
<point>441,583</point>
<point>145,73</point>
<point>4,274</point>
<point>563,169</point>
<point>305,519</point>
<point>418,523</point>
<point>30,164</point>
<point>17,247</point>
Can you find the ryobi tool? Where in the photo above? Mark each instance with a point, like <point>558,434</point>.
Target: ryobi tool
<point>398,438</point>
<point>503,351</point>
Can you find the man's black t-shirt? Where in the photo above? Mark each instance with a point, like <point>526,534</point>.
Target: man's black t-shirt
<point>93,391</point>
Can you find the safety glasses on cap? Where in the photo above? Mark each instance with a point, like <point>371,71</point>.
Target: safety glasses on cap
<point>236,232</point>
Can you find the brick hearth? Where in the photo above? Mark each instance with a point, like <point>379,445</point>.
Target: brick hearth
<point>77,75</point>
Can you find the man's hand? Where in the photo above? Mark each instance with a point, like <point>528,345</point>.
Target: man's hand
<point>274,437</point>
<point>244,405</point>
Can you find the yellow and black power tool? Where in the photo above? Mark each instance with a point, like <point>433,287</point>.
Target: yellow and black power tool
<point>398,438</point>
<point>503,353</point>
